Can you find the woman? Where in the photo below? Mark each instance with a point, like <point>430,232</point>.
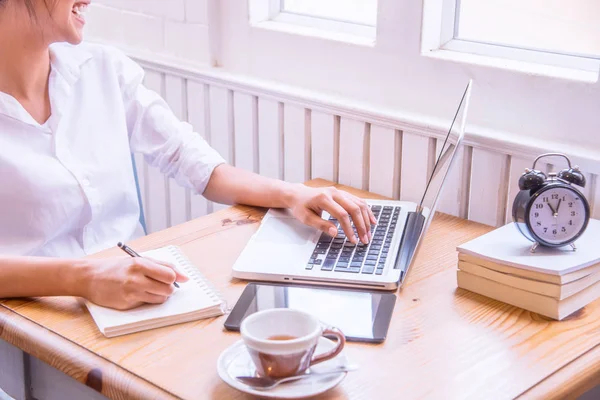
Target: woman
<point>70,117</point>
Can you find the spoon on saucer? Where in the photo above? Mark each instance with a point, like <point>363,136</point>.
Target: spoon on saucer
<point>265,383</point>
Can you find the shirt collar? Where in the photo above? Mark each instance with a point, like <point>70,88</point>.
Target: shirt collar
<point>68,59</point>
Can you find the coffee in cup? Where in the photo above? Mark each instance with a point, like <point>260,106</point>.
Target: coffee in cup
<point>282,341</point>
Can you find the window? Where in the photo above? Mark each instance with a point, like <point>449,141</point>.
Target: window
<point>551,38</point>
<point>361,12</point>
<point>554,26</point>
<point>341,20</point>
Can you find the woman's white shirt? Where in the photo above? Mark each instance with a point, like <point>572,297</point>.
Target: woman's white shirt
<point>67,186</point>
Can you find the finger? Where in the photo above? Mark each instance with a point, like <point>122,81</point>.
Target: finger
<point>156,271</point>
<point>365,210</point>
<point>312,219</point>
<point>150,285</point>
<point>152,298</point>
<point>335,209</point>
<point>181,277</point>
<point>357,217</point>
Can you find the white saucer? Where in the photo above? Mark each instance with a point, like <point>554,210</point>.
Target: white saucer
<point>235,361</point>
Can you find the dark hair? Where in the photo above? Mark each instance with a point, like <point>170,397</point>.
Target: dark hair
<point>30,7</point>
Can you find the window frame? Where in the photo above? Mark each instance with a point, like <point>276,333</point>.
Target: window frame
<point>439,31</point>
<point>271,15</point>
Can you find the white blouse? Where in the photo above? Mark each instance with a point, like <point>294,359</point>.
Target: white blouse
<point>67,186</point>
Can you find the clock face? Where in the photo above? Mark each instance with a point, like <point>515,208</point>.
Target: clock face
<point>557,215</point>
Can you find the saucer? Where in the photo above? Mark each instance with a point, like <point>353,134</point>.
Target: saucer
<point>235,361</point>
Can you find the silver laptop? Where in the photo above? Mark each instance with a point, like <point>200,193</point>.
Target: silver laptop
<point>285,250</point>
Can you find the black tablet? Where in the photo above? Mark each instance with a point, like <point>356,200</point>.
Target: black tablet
<point>363,316</point>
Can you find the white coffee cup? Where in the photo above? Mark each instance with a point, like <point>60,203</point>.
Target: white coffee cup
<point>282,341</point>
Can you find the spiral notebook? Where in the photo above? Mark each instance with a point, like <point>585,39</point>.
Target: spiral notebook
<point>193,300</point>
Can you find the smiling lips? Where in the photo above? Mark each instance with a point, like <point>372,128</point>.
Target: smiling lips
<point>79,9</point>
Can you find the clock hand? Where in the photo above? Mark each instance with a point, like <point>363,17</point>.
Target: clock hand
<point>552,209</point>
<point>558,206</point>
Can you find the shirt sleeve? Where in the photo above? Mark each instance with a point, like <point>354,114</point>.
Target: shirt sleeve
<point>166,142</point>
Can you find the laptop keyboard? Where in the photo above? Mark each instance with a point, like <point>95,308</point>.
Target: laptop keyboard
<point>340,255</point>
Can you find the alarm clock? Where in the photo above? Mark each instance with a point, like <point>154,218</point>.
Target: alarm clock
<point>550,210</point>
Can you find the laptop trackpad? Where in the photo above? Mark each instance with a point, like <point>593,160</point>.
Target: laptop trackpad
<point>284,231</point>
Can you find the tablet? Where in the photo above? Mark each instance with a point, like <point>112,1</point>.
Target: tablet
<point>363,316</point>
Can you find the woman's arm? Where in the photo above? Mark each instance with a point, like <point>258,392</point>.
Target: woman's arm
<point>118,282</point>
<point>230,185</point>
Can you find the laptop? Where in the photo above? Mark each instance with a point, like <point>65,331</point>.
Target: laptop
<point>285,250</point>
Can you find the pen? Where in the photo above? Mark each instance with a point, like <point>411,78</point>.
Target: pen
<point>132,253</point>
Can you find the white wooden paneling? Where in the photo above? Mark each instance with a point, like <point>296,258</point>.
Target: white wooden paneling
<point>596,198</point>
<point>324,148</point>
<point>270,146</point>
<point>489,188</point>
<point>221,128</point>
<point>354,155</point>
<point>179,197</point>
<point>517,167</point>
<point>296,144</point>
<point>221,121</point>
<point>48,383</point>
<point>452,197</point>
<point>12,379</point>
<point>156,194</point>
<point>415,165</point>
<point>198,116</point>
<point>384,169</point>
<point>245,125</point>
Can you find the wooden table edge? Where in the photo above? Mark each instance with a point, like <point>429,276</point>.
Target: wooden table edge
<point>74,360</point>
<point>571,380</point>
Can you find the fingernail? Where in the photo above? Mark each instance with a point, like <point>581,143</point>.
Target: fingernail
<point>354,239</point>
<point>332,231</point>
<point>365,239</point>
<point>370,235</point>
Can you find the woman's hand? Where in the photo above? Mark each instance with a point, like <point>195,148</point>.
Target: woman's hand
<point>127,282</point>
<point>308,203</point>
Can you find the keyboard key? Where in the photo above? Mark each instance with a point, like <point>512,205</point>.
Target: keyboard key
<point>353,270</point>
<point>368,269</point>
<point>372,258</point>
<point>309,266</point>
<point>355,264</point>
<point>371,262</point>
<point>378,272</point>
<point>342,264</point>
<point>318,262</point>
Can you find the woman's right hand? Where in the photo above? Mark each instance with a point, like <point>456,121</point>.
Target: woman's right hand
<point>127,282</point>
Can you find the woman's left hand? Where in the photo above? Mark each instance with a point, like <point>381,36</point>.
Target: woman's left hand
<point>308,203</point>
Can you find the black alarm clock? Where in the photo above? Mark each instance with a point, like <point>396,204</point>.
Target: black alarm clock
<point>550,210</point>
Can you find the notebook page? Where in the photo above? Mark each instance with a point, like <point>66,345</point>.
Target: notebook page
<point>189,297</point>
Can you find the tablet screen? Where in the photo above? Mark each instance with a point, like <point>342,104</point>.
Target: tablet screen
<point>360,315</point>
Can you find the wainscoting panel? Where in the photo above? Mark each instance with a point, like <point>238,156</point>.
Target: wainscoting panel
<point>245,124</point>
<point>296,143</point>
<point>489,177</point>
<point>179,197</point>
<point>325,135</point>
<point>296,139</point>
<point>384,155</point>
<point>354,156</point>
<point>270,138</point>
<point>416,162</point>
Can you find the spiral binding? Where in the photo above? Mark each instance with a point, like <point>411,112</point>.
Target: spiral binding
<point>195,274</point>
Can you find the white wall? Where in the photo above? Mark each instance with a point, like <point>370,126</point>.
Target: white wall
<point>176,28</point>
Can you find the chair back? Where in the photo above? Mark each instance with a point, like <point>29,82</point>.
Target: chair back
<point>139,194</point>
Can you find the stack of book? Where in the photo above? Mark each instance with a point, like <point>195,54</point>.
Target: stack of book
<point>554,282</point>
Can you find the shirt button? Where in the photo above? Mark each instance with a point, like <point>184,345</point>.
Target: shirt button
<point>85,182</point>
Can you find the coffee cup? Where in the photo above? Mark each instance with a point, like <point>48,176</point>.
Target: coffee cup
<point>282,341</point>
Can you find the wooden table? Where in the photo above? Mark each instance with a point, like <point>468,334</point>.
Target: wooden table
<point>443,342</point>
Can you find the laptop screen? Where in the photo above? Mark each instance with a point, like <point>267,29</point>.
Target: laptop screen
<point>418,222</point>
